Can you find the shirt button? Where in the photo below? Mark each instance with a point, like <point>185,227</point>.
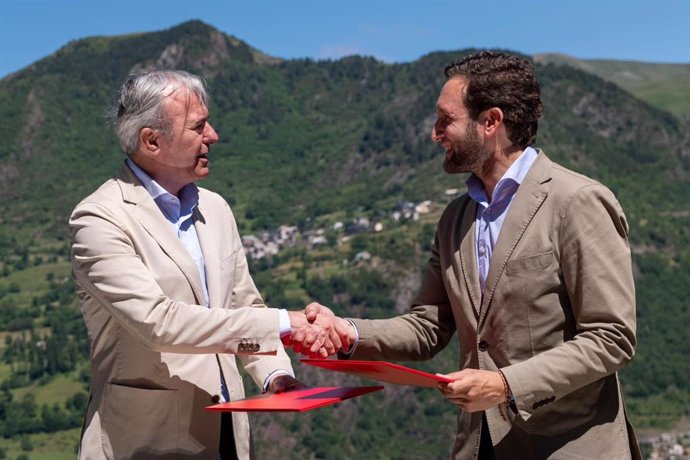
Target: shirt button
<point>483,346</point>
<point>215,399</point>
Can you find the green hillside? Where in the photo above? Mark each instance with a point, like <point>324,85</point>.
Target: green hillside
<point>666,86</point>
<point>309,144</point>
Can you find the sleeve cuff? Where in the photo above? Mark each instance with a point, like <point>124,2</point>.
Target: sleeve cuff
<point>274,374</point>
<point>353,346</point>
<point>284,320</point>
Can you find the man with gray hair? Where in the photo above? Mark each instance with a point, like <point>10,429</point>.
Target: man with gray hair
<point>166,293</point>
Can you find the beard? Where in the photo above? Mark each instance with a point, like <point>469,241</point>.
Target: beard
<point>465,154</point>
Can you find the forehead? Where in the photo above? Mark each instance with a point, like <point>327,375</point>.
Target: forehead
<point>451,97</point>
<point>185,105</point>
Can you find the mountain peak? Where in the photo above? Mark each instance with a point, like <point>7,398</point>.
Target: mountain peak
<point>199,47</point>
<point>192,45</point>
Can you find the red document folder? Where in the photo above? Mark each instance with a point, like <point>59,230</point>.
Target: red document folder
<point>294,400</point>
<point>380,371</point>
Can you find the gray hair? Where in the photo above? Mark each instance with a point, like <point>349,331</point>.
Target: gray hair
<point>140,103</point>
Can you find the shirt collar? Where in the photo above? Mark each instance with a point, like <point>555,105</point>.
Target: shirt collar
<point>185,202</point>
<point>151,186</point>
<point>512,177</point>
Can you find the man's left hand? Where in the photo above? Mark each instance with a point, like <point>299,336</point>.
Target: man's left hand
<point>284,382</point>
<point>474,390</point>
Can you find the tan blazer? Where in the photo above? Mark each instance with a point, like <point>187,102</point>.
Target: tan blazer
<point>557,316</point>
<point>155,352</point>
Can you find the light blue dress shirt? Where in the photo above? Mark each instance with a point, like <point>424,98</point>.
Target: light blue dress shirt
<point>490,215</point>
<point>178,212</point>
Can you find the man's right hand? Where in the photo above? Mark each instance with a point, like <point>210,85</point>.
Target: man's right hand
<point>318,333</point>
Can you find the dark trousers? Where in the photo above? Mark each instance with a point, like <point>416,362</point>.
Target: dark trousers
<point>486,448</point>
<point>227,449</point>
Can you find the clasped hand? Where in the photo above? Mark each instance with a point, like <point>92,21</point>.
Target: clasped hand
<point>316,332</point>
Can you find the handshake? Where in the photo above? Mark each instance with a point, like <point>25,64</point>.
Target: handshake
<point>316,332</point>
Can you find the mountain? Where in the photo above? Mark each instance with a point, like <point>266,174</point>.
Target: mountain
<point>666,86</point>
<point>311,143</point>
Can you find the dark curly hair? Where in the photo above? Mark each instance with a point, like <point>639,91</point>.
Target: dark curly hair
<point>506,81</point>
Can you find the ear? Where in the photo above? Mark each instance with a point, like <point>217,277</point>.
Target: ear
<point>493,120</point>
<point>148,141</point>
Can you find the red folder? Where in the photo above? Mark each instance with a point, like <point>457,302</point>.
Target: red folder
<point>381,371</point>
<point>294,400</point>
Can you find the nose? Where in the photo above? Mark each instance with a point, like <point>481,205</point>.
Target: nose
<point>210,134</point>
<point>436,132</point>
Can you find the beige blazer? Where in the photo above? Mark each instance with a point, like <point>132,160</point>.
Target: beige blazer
<point>557,316</point>
<point>155,351</point>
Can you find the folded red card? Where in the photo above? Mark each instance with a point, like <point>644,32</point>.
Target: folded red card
<point>381,371</point>
<point>294,400</point>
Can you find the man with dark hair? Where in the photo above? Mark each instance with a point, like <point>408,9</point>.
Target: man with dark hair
<point>532,268</point>
<point>166,293</point>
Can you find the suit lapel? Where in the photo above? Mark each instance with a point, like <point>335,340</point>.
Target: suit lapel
<point>527,200</point>
<point>211,254</point>
<point>151,218</point>
<point>468,255</point>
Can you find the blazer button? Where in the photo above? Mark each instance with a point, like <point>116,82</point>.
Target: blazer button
<point>215,399</point>
<point>483,346</point>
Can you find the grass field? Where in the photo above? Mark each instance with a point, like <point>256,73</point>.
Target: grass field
<point>61,445</point>
<point>57,390</point>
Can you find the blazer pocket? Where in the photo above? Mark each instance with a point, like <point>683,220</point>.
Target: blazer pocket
<point>138,422</point>
<point>530,263</point>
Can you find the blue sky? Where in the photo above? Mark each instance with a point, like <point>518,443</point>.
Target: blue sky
<point>393,31</point>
